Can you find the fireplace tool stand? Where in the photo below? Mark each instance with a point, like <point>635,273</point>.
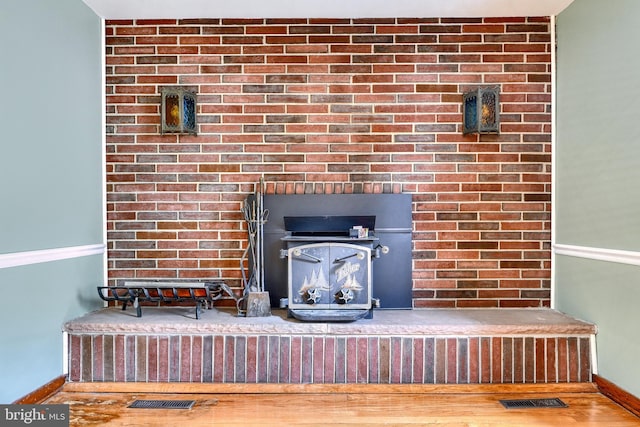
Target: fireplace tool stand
<point>256,299</point>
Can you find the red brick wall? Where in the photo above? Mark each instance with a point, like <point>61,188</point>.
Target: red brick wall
<point>335,106</point>
<point>304,359</point>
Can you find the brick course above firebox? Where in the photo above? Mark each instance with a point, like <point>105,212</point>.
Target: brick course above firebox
<point>334,106</point>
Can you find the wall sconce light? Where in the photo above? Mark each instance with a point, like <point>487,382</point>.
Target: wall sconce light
<point>481,111</point>
<point>178,110</point>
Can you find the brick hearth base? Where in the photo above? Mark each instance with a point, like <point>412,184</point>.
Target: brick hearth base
<point>396,346</point>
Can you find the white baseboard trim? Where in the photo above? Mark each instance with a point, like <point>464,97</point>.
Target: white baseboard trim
<point>34,257</point>
<point>600,254</point>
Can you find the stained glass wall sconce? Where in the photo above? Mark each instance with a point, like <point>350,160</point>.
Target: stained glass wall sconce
<point>178,111</point>
<point>481,111</point>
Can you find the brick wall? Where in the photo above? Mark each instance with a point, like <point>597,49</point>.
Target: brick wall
<point>304,359</point>
<point>335,106</point>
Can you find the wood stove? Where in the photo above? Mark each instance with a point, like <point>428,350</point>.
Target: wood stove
<point>390,274</point>
<point>329,270</point>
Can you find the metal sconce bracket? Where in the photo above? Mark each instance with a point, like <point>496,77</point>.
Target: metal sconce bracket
<point>178,110</point>
<point>481,110</point>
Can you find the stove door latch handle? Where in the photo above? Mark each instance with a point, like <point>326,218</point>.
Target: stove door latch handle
<point>298,253</point>
<point>360,256</point>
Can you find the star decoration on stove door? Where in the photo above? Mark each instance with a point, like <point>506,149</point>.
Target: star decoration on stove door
<point>313,296</point>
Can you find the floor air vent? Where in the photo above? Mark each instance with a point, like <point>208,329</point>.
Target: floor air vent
<point>533,403</point>
<point>162,404</point>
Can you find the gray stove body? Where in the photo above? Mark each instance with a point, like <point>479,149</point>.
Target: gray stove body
<point>387,279</point>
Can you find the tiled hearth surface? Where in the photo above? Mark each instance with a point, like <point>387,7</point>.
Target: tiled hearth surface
<point>434,346</point>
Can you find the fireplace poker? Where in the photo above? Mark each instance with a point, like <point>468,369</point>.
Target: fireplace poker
<point>249,210</point>
<point>256,264</point>
<point>262,219</point>
<point>258,239</point>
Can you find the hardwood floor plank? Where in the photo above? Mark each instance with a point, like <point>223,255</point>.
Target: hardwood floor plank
<point>474,406</point>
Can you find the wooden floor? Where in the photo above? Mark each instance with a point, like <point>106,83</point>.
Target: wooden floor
<point>106,404</point>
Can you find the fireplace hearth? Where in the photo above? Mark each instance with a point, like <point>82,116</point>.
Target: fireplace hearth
<point>421,346</point>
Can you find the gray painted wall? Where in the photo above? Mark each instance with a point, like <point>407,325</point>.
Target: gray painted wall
<point>598,176</point>
<point>50,115</point>
<point>50,181</point>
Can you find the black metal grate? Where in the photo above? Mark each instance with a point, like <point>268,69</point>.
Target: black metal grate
<point>162,404</point>
<point>533,403</point>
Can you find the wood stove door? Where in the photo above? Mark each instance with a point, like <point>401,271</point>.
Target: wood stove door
<point>329,276</point>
